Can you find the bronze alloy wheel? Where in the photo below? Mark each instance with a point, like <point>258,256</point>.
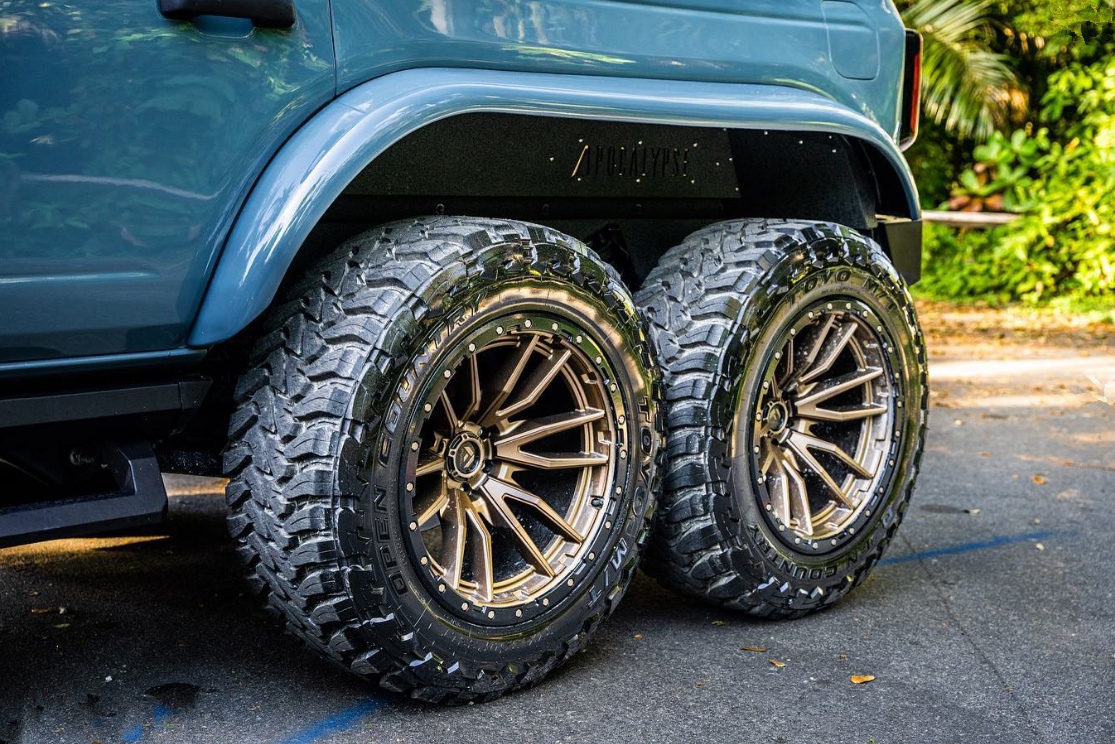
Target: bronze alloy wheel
<point>512,459</point>
<point>821,424</point>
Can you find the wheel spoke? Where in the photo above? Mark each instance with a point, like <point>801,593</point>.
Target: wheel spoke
<point>525,432</point>
<point>481,553</point>
<point>454,530</point>
<point>781,381</point>
<point>797,497</point>
<point>842,414</point>
<point>447,404</point>
<point>433,511</point>
<point>505,380</point>
<point>551,518</point>
<point>831,352</point>
<point>832,387</point>
<point>536,384</point>
<point>502,512</point>
<point>474,391</point>
<point>801,444</point>
<point>427,467</point>
<point>555,461</point>
<point>818,342</point>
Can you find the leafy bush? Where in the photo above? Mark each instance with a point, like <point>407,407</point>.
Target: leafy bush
<point>1060,177</point>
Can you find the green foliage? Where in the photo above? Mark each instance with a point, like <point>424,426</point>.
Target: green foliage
<point>1061,178</point>
<point>1003,175</point>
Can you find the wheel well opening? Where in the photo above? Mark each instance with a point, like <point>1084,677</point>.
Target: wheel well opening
<point>629,190</point>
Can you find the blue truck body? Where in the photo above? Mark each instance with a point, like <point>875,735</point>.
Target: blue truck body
<point>158,177</point>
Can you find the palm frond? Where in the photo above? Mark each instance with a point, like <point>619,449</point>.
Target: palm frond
<point>965,85</point>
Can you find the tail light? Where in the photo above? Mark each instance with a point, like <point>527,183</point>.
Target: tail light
<point>911,91</point>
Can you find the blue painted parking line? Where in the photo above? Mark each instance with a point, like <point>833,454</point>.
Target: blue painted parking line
<point>967,547</point>
<point>335,724</point>
<point>159,714</point>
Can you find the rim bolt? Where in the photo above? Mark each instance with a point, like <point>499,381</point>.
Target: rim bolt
<point>778,355</point>
<point>579,338</point>
<point>492,614</point>
<point>424,561</point>
<point>441,588</point>
<point>592,556</point>
<point>793,331</point>
<point>755,449</point>
<point>499,330</point>
<point>413,526</point>
<point>545,603</point>
<point>612,387</point>
<point>810,313</point>
<point>568,583</point>
<point>527,323</point>
<point>607,525</point>
<point>828,306</point>
<point>410,487</point>
<point>518,613</point>
<point>554,326</point>
<point>472,347</point>
<point>464,605</point>
<point>769,507</point>
<point>427,408</point>
<point>414,446</point>
<point>448,374</point>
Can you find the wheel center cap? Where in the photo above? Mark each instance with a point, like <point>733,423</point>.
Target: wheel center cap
<point>778,417</point>
<point>465,456</point>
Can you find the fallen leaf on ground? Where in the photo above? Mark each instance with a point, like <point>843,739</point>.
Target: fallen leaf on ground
<point>862,679</point>
<point>971,511</point>
<point>778,664</point>
<point>985,454</point>
<point>638,635</point>
<point>1039,479</point>
<point>753,649</point>
<point>62,626</point>
<point>41,610</point>
<point>719,622</point>
<point>1039,546</point>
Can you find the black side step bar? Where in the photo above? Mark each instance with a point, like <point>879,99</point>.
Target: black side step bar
<point>139,499</point>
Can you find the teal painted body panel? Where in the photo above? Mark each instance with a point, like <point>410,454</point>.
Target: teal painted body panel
<point>157,177</point>
<point>323,157</point>
<point>776,42</point>
<point>128,143</point>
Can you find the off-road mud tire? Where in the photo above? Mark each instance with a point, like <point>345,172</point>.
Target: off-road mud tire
<point>314,504</point>
<point>714,303</point>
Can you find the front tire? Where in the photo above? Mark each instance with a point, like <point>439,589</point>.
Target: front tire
<point>444,461</point>
<point>796,387</point>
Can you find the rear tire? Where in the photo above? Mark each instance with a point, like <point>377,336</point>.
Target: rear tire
<point>796,405</point>
<point>444,459</point>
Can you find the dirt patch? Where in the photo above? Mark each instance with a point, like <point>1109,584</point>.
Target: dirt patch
<point>980,332</point>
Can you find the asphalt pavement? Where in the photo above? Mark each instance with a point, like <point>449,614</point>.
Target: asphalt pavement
<point>991,619</point>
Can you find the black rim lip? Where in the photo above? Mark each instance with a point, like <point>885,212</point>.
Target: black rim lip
<point>481,332</point>
<point>881,483</point>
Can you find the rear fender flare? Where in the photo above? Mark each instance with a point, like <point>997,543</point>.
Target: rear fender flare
<point>313,167</point>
